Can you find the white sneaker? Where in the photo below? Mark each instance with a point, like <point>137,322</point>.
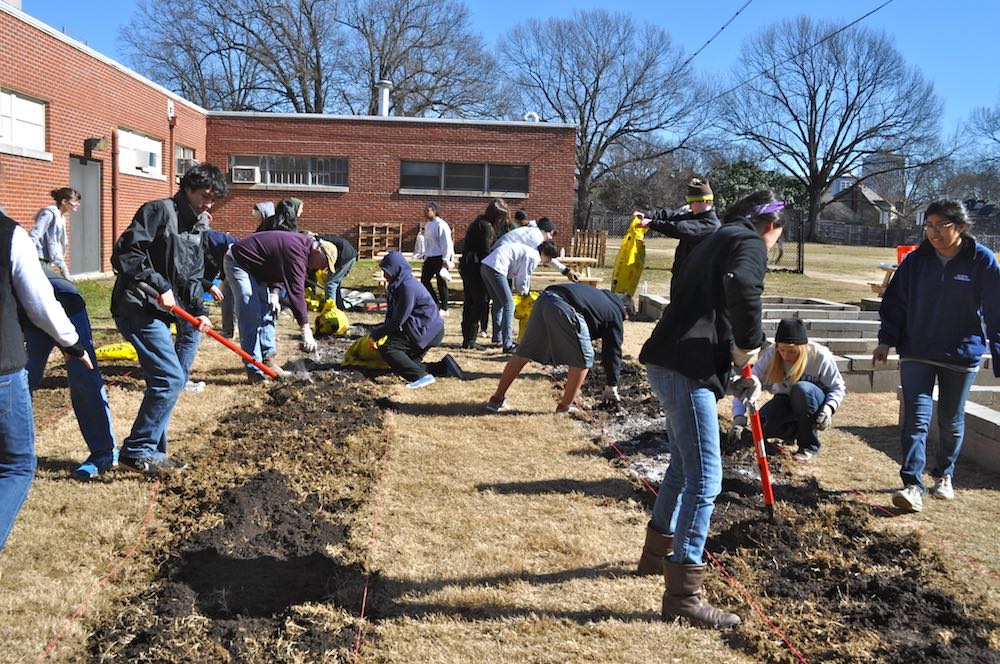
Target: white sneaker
<point>199,386</point>
<point>908,499</point>
<point>443,312</point>
<point>942,488</point>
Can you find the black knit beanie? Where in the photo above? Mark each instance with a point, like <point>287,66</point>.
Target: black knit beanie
<point>791,331</point>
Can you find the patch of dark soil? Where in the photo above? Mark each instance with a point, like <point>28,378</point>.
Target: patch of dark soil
<point>259,566</point>
<point>840,588</point>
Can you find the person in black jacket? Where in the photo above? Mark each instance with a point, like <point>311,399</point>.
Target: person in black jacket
<point>347,256</point>
<point>711,326</point>
<point>475,247</point>
<point>564,322</point>
<point>691,224</point>
<point>161,249</point>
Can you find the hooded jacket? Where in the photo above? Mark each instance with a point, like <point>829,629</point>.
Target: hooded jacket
<point>716,302</point>
<point>411,309</point>
<point>937,312</point>
<point>689,228</point>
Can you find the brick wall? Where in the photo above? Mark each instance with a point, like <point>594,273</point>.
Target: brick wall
<point>86,95</point>
<point>374,148</point>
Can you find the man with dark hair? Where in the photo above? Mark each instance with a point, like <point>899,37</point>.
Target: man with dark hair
<point>162,249</point>
<point>439,252</point>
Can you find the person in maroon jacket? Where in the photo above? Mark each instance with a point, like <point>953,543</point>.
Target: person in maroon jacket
<point>257,266</point>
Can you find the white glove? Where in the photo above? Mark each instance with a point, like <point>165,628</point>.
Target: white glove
<point>273,303</point>
<point>611,394</point>
<point>746,390</point>
<point>824,418</point>
<point>742,357</point>
<point>308,344</point>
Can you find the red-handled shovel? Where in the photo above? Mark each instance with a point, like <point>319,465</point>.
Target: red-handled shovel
<point>180,313</point>
<point>758,444</point>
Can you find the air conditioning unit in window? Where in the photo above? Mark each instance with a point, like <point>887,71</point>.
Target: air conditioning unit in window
<point>184,165</point>
<point>245,174</point>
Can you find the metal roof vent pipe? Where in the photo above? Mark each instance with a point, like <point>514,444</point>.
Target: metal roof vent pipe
<point>531,116</point>
<point>383,97</point>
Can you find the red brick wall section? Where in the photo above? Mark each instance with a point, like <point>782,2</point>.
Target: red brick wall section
<point>85,97</point>
<point>374,148</point>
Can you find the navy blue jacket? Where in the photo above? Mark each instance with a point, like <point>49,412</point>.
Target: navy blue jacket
<point>936,313</point>
<point>215,245</point>
<point>410,309</point>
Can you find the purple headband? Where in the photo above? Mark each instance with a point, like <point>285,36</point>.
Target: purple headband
<point>770,208</point>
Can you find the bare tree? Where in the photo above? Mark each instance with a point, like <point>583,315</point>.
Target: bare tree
<point>819,104</point>
<point>621,83</point>
<point>985,125</point>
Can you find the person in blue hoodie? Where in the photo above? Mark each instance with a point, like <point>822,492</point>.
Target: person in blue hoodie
<point>934,312</point>
<point>412,326</point>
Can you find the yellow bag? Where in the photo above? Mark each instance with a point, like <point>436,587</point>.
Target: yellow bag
<point>331,320</point>
<point>122,350</point>
<point>631,259</point>
<point>359,354</point>
<point>522,310</point>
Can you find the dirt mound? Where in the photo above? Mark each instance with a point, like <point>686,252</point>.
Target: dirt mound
<point>841,589</point>
<point>260,565</point>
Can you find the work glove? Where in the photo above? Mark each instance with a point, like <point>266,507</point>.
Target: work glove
<point>824,418</point>
<point>571,275</point>
<point>742,357</point>
<point>746,390</point>
<point>273,303</point>
<point>739,431</point>
<point>611,394</point>
<point>308,344</point>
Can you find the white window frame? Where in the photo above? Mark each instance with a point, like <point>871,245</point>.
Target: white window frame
<point>130,145</point>
<point>308,175</point>
<point>182,152</point>
<point>23,125</point>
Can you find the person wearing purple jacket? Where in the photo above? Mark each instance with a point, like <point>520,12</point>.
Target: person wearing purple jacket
<point>256,267</point>
<point>412,326</point>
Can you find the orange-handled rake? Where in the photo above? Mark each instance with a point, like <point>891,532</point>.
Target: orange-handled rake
<point>758,444</point>
<point>180,313</point>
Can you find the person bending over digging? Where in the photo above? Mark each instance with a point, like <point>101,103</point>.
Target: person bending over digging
<point>412,326</point>
<point>710,327</point>
<point>807,388</point>
<point>563,322</point>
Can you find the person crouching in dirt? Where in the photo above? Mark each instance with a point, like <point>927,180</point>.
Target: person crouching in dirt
<point>563,322</point>
<point>256,267</point>
<point>807,388</point>
<point>161,249</point>
<point>412,326</point>
<point>711,327</point>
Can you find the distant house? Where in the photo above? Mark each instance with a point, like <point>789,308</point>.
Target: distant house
<point>852,202</point>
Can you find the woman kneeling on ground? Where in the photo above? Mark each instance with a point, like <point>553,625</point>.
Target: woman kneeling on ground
<point>934,312</point>
<point>412,326</point>
<point>807,388</point>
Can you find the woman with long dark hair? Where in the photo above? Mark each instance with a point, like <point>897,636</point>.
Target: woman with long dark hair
<point>475,247</point>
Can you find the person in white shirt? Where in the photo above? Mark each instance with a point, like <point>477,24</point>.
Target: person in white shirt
<point>516,262</point>
<point>439,253</point>
<point>49,231</point>
<point>532,235</point>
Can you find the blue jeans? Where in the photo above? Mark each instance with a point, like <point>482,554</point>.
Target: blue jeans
<point>87,392</point>
<point>333,283</point>
<point>498,289</point>
<point>917,380</point>
<point>693,479</point>
<point>793,415</point>
<point>165,378</point>
<point>186,344</point>
<point>256,324</point>
<point>17,447</point>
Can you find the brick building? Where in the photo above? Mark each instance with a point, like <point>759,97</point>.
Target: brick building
<point>71,116</point>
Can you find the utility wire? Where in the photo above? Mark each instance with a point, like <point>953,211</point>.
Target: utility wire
<point>717,33</point>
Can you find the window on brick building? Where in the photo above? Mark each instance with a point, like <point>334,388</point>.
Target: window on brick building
<point>22,124</point>
<point>183,161</point>
<point>478,178</point>
<point>287,171</point>
<point>139,154</point>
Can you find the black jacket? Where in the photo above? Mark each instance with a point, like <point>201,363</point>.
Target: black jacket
<point>476,245</point>
<point>604,314</point>
<point>345,250</point>
<point>716,301</point>
<point>161,247</point>
<point>689,228</point>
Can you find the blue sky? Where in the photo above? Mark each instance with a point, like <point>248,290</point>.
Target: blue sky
<point>949,41</point>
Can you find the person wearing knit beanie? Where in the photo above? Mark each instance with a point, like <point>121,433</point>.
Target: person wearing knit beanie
<point>699,191</point>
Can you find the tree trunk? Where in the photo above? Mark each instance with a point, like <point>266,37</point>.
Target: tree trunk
<point>582,205</point>
<point>813,218</point>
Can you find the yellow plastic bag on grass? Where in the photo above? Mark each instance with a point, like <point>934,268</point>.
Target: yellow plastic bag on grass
<point>359,354</point>
<point>522,310</point>
<point>331,320</point>
<point>122,350</point>
<point>631,259</point>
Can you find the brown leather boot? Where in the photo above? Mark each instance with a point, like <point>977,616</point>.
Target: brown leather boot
<point>682,598</point>
<point>654,550</point>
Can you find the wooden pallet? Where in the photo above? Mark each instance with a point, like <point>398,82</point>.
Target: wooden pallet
<point>590,244</point>
<point>379,238</point>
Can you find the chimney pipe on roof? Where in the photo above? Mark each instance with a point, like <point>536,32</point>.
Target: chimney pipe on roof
<point>383,97</point>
